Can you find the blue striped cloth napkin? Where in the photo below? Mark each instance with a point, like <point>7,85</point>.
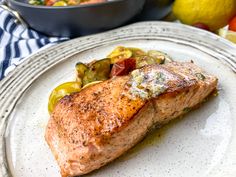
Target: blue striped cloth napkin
<point>18,42</point>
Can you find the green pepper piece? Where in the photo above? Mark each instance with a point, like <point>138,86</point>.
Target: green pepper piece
<point>98,71</point>
<point>160,57</point>
<point>80,69</point>
<point>136,52</point>
<point>144,60</point>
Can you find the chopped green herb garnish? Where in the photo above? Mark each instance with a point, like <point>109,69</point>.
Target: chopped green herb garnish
<point>187,109</point>
<point>147,85</point>
<point>200,76</point>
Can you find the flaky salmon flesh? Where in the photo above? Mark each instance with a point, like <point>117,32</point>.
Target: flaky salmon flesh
<point>91,128</point>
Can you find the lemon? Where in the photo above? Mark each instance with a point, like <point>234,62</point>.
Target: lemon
<point>213,13</point>
<point>230,35</point>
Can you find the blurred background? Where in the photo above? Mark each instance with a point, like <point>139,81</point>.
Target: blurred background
<point>74,18</point>
<point>215,16</point>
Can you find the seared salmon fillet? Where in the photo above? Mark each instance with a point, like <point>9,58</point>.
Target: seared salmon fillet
<point>88,129</point>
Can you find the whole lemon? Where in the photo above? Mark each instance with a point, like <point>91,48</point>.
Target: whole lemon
<point>214,13</point>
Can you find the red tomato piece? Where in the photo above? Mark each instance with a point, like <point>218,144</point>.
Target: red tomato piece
<point>123,67</point>
<point>130,64</point>
<point>49,2</point>
<point>232,24</point>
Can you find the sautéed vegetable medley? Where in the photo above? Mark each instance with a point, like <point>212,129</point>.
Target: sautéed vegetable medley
<point>64,2</point>
<point>121,61</point>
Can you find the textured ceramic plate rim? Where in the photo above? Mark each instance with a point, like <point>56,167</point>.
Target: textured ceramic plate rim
<point>40,63</point>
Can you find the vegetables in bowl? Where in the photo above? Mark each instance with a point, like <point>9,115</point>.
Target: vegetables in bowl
<point>63,2</point>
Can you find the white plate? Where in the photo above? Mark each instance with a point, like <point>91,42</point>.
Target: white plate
<point>202,144</point>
